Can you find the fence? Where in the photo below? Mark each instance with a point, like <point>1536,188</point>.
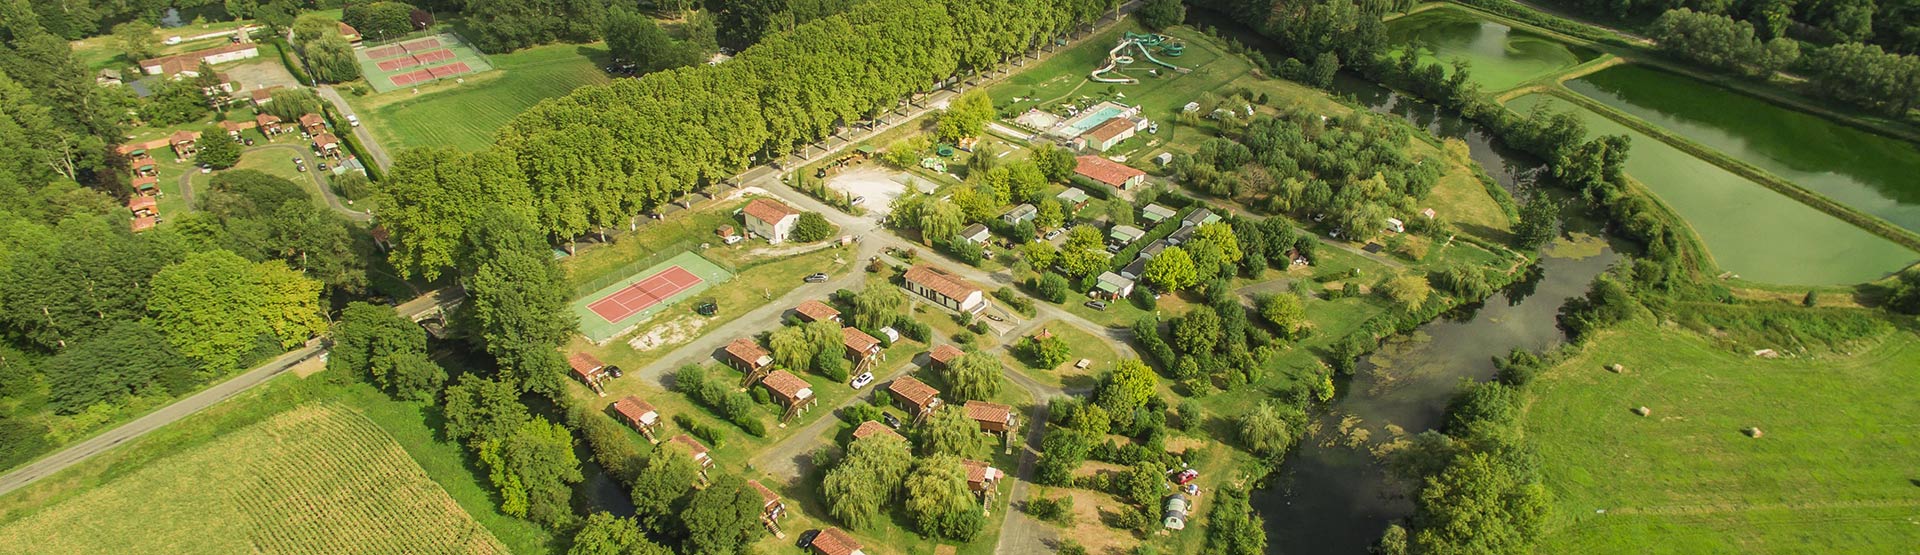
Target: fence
<point>627,270</point>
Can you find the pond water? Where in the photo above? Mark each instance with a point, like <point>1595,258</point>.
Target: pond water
<point>1499,57</point>
<point>1332,495</point>
<point>1751,230</point>
<point>1872,173</point>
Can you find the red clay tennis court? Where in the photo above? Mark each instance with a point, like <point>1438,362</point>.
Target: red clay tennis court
<point>618,305</point>
<point>385,52</point>
<point>397,63</point>
<point>421,44</point>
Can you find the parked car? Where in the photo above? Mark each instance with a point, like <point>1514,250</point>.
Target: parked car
<point>891,420</point>
<point>1055,233</point>
<point>862,380</point>
<point>1097,305</point>
<point>171,41</point>
<point>817,278</point>
<point>353,120</point>
<point>613,371</point>
<point>1113,249</point>
<point>323,166</point>
<point>806,539</point>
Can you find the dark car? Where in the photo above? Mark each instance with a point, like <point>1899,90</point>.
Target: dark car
<point>817,278</point>
<point>613,371</point>
<point>806,539</point>
<point>891,420</point>
<point>1097,305</point>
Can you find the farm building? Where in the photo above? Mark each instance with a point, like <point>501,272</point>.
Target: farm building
<point>816,311</point>
<point>833,541</point>
<point>975,233</point>
<point>862,349</point>
<point>1124,234</point>
<point>1073,198</point>
<point>1108,172</point>
<point>188,64</point>
<point>871,428</point>
<point>1111,286</point>
<point>945,289</point>
<point>992,417</point>
<point>915,396</point>
<point>1155,213</point>
<point>944,355</point>
<point>1021,213</point>
<point>770,219</point>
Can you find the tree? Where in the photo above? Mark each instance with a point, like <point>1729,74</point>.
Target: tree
<point>605,534</point>
<point>1171,270</point>
<point>289,103</point>
<point>877,305</point>
<point>217,149</point>
<point>518,305</point>
<point>1054,287</point>
<point>1479,505</point>
<point>533,468</point>
<point>260,216</point>
<point>1161,14</point>
<point>974,377</point>
<point>129,359</point>
<point>1143,484</point>
<point>939,503</point>
<point>939,218</point>
<point>331,59</point>
<point>374,342</point>
<point>136,39</point>
<point>1126,390</point>
<point>1049,215</point>
<point>1866,76</point>
<point>663,487</point>
<point>1061,452</point>
<point>811,227</point>
<point>1539,222</point>
<point>950,432</point>
<point>1721,42</point>
<point>635,38</point>
<point>724,518</point>
<point>1055,163</point>
<point>1408,291</point>
<point>379,21</point>
<point>1045,353</point>
<point>1264,432</point>
<point>1198,332</point>
<point>1285,312</point>
<point>174,102</point>
<point>478,410</point>
<point>218,308</point>
<point>965,116</point>
<point>866,481</point>
<point>1232,526</point>
<point>277,15</point>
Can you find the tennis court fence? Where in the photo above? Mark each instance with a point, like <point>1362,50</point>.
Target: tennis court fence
<point>627,270</point>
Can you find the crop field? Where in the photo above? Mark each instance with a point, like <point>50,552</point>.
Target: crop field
<point>1833,471</point>
<point>466,115</point>
<point>314,479</point>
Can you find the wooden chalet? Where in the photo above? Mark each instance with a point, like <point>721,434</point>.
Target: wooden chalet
<point>915,397</point>
<point>993,418</point>
<point>771,508</point>
<point>142,205</point>
<point>862,349</point>
<point>143,223</point>
<point>834,541</point>
<point>792,392</point>
<point>588,370</point>
<point>268,124</point>
<point>145,184</point>
<point>698,451</point>
<point>752,360</point>
<point>313,124</point>
<point>816,311</point>
<point>638,414</point>
<point>327,144</point>
<point>871,428</point>
<point>185,143</point>
<point>981,478</point>
<point>944,355</point>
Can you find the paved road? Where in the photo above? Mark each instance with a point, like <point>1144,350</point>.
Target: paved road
<point>79,452</point>
<point>379,153</point>
<point>313,176</point>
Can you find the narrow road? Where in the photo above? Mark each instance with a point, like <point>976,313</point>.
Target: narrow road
<point>379,154</point>
<point>319,184</point>
<point>80,452</point>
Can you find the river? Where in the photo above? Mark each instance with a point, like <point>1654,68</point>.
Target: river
<point>1499,57</point>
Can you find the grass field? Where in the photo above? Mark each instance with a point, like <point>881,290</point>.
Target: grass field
<point>1835,471</point>
<point>465,115</point>
<point>318,478</point>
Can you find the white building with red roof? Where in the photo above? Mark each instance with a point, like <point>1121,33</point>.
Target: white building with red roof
<point>945,289</point>
<point>1107,172</point>
<point>770,219</point>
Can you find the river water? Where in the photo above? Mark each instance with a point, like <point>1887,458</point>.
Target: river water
<point>1499,57</point>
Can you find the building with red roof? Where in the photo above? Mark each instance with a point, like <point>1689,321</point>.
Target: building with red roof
<point>746,356</point>
<point>771,219</point>
<point>944,355</point>
<point>833,541</point>
<point>871,428</point>
<point>816,311</point>
<point>694,447</point>
<point>915,396</point>
<point>188,64</point>
<point>992,417</point>
<point>945,289</point>
<point>790,390</point>
<point>587,369</point>
<point>636,413</point>
<point>1112,174</point>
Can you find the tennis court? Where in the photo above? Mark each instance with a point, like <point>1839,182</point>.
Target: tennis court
<point>397,66</point>
<point>619,308</point>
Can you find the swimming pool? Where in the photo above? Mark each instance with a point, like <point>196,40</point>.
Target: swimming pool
<point>1093,117</point>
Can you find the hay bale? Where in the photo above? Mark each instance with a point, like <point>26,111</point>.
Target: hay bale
<point>1616,368</point>
<point>1642,411</point>
<point>1753,432</point>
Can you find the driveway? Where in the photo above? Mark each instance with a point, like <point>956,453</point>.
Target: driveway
<point>379,153</point>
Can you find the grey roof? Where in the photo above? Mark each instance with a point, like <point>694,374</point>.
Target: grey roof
<point>1126,233</point>
<point>974,230</point>
<point>1199,217</point>
<point>1161,212</point>
<point>1135,268</point>
<point>1154,248</point>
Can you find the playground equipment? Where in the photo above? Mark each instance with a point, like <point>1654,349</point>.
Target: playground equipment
<point>1145,43</point>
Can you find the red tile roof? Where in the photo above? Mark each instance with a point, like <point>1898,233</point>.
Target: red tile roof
<point>693,445</point>
<point>915,391</point>
<point>141,202</point>
<point>814,311</point>
<point>324,140</point>
<point>264,120</point>
<point>145,181</point>
<point>765,494</point>
<point>945,354</point>
<point>787,385</point>
<point>870,427</point>
<point>769,210</point>
<point>833,541</point>
<point>191,60</point>
<point>1105,171</point>
<point>183,136</point>
<point>584,364</point>
<point>144,223</point>
<point>941,282</point>
<point>979,473</point>
<point>1110,129</point>
<point>747,352</point>
<point>982,411</point>
<point>859,340</point>
<point>310,120</point>
<point>635,410</point>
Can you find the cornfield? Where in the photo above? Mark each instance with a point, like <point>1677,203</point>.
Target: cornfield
<point>316,479</point>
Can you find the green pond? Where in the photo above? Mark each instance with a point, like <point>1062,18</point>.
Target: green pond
<point>1498,57</point>
<point>1872,173</point>
<point>1751,230</point>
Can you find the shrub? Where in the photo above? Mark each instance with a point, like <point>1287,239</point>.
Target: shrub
<point>713,436</point>
<point>1055,510</point>
<point>811,227</point>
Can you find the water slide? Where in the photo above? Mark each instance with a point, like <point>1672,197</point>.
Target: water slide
<point>1114,59</point>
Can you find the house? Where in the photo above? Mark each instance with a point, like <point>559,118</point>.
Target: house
<point>313,124</point>
<point>699,452</point>
<point>146,184</point>
<point>1074,198</point>
<point>143,165</point>
<point>1135,269</point>
<point>268,124</point>
<point>587,369</point>
<point>638,414</point>
<point>1110,133</point>
<point>327,144</point>
<point>791,391</point>
<point>1155,213</point>
<point>222,85</point>
<point>184,143</point>
<point>771,509</point>
<point>871,428</point>
<point>833,541</point>
<point>816,311</point>
<point>1163,159</point>
<point>1199,218</point>
<point>143,205</point>
<point>188,64</point>
<point>993,418</point>
<point>262,96</point>
<point>944,355</point>
<point>348,32</point>
<point>1112,286</point>
<point>233,128</point>
<point>1022,213</point>
<point>1297,258</point>
<point>861,348</point>
<point>143,223</point>
<point>1153,249</point>
<point>1396,226</point>
<point>746,356</point>
<point>944,289</point>
<point>981,477</point>
<point>914,396</point>
<point>771,219</point>
<point>976,234</point>
<point>1108,172</point>
<point>1125,234</point>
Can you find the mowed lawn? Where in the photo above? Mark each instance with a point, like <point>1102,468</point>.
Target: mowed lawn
<point>466,115</point>
<point>1837,469</point>
<point>314,479</point>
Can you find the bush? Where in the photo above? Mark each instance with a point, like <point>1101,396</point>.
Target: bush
<point>1058,511</point>
<point>712,435</point>
<point>352,186</point>
<point>811,227</point>
<point>1054,288</point>
<point>1019,303</point>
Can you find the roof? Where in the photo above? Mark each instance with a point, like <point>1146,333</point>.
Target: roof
<point>816,311</point>
<point>236,126</point>
<point>974,230</point>
<point>870,428</point>
<point>147,180</point>
<point>1126,233</point>
<point>310,120</point>
<point>584,363</point>
<point>1200,217</point>
<point>324,139</point>
<point>766,494</point>
<point>979,473</point>
<point>1022,210</point>
<point>1112,282</point>
<point>945,354</point>
<point>263,94</point>
<point>787,385</point>
<point>915,391</point>
<point>833,541</point>
<point>769,210</point>
<point>940,282</point>
<point>144,223</point>
<point>1110,129</point>
<point>183,136</point>
<point>141,202</point>
<point>264,120</point>
<point>858,340</point>
<point>348,30</point>
<point>693,445</point>
<point>191,60</point>
<point>983,411</point>
<point>632,408</point>
<point>1157,210</point>
<point>1104,170</point>
<point>745,350</point>
<point>1073,195</point>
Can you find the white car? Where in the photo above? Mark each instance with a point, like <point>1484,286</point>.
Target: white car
<point>353,120</point>
<point>172,41</point>
<point>862,380</point>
